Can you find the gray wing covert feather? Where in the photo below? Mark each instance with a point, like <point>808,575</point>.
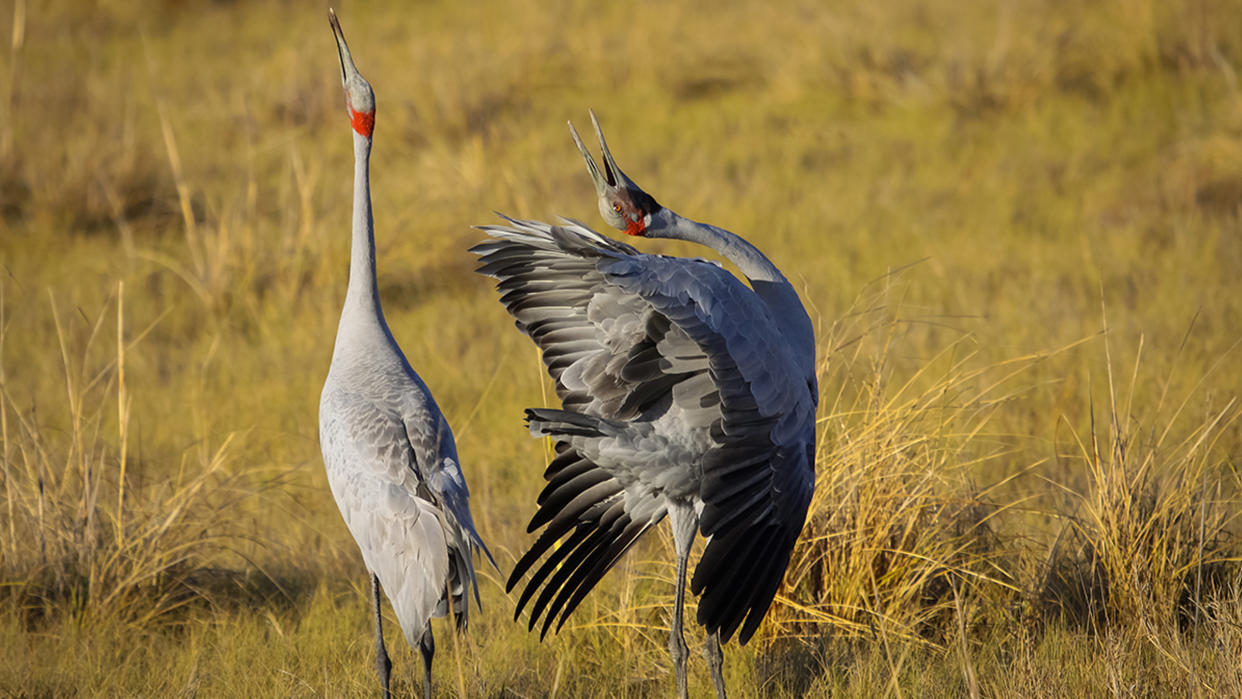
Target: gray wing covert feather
<point>589,331</point>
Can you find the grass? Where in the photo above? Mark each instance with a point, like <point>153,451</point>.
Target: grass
<point>1016,228</point>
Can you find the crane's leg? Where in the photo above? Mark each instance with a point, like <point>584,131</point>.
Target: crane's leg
<point>382,664</point>
<point>715,662</point>
<point>685,524</point>
<point>428,647</point>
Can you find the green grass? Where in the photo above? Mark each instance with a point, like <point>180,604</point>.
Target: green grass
<point>1016,227</point>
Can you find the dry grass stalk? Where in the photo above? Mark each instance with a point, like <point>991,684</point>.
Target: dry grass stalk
<point>136,557</point>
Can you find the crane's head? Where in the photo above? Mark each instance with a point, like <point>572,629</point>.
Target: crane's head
<point>359,98</point>
<point>623,204</point>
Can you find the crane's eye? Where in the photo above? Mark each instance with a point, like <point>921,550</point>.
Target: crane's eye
<point>616,207</point>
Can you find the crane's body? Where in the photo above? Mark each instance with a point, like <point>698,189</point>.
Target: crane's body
<point>685,393</point>
<point>389,453</point>
<point>393,470</point>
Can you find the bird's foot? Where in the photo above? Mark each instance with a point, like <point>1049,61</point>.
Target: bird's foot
<point>679,652</point>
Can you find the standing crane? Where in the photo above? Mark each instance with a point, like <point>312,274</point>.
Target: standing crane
<point>389,453</point>
<point>685,393</point>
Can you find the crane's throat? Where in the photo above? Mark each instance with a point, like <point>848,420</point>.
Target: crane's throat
<point>363,122</point>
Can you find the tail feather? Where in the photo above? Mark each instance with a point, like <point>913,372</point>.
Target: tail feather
<point>544,422</point>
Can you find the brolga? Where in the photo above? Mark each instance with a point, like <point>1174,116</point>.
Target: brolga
<point>389,453</point>
<point>685,393</point>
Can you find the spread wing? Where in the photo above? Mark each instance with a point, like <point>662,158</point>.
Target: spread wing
<point>758,476</point>
<point>630,336</point>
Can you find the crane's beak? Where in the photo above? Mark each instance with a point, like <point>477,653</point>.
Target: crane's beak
<point>611,177</point>
<point>348,69</point>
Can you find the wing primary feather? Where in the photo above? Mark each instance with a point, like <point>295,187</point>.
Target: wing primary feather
<point>568,505</point>
<point>765,594</point>
<point>621,545</point>
<point>583,476</point>
<point>598,533</point>
<point>570,544</point>
<point>729,569</point>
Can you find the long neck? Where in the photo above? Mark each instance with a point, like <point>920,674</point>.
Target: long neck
<point>767,281</point>
<point>751,262</point>
<point>363,294</point>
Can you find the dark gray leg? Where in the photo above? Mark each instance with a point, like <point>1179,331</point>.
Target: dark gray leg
<point>676,641</point>
<point>715,662</point>
<point>684,526</point>
<point>428,647</point>
<point>382,664</point>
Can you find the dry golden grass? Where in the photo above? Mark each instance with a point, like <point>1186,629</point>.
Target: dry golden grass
<point>1017,227</point>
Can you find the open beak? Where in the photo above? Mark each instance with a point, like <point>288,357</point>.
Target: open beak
<point>347,61</point>
<point>611,177</point>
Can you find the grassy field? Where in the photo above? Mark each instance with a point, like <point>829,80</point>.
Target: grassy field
<point>1016,225</point>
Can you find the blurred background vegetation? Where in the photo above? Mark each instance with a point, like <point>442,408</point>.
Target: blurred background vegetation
<point>1016,225</point>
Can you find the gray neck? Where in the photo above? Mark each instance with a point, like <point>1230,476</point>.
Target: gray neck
<point>766,280</point>
<point>752,263</point>
<point>363,294</point>
<point>362,331</point>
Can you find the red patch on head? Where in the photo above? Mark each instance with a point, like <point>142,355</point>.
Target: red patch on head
<point>363,122</point>
<point>638,227</point>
